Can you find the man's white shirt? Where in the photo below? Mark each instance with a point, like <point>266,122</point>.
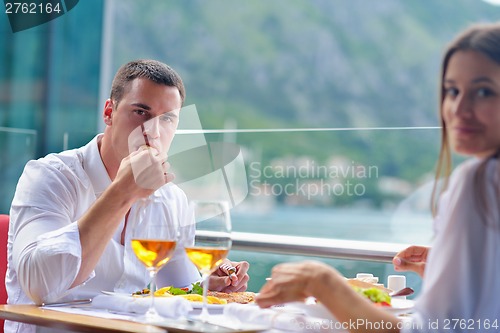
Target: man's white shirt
<point>44,251</point>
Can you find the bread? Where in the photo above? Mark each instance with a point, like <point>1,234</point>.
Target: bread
<point>243,297</point>
<point>366,285</point>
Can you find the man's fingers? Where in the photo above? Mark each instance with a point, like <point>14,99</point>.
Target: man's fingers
<point>243,267</point>
<point>240,282</point>
<point>218,283</point>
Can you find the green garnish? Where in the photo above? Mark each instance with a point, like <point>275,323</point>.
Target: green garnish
<point>197,289</point>
<point>177,291</point>
<point>375,295</point>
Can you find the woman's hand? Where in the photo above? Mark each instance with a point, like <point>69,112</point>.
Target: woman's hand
<point>295,281</point>
<point>221,281</point>
<point>411,259</point>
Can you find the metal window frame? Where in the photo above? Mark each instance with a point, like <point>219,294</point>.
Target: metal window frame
<point>316,247</point>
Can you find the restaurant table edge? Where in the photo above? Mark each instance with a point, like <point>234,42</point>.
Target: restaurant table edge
<point>32,314</point>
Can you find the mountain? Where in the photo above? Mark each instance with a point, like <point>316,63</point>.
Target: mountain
<point>308,63</point>
<point>329,62</point>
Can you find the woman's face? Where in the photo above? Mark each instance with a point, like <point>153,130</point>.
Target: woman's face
<point>471,104</point>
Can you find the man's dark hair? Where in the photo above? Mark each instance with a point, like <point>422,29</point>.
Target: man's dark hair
<point>152,70</point>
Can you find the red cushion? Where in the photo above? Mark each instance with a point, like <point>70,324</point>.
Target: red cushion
<point>4,230</point>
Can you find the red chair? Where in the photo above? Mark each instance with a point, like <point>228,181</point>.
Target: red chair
<point>4,231</point>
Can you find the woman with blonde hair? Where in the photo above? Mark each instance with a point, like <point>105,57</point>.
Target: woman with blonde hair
<point>460,288</point>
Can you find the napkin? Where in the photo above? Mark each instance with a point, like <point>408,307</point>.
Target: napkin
<point>277,319</point>
<point>170,307</point>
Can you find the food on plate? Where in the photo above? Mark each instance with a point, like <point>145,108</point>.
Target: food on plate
<point>243,297</point>
<point>199,298</point>
<point>378,294</point>
<point>142,292</point>
<point>196,288</point>
<point>165,291</point>
<point>194,293</point>
<point>366,285</point>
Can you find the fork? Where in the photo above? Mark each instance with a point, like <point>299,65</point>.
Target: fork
<point>228,269</point>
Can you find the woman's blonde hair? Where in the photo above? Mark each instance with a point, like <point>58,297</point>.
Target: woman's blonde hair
<point>485,39</point>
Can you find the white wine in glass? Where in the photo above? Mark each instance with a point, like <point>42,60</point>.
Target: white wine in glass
<point>153,253</point>
<point>154,237</point>
<point>212,241</point>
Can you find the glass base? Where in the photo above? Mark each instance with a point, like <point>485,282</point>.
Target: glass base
<point>151,316</point>
<point>204,316</point>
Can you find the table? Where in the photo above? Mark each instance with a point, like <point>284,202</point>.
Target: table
<point>33,314</point>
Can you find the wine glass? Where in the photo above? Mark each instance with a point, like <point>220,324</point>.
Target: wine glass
<point>211,243</point>
<point>154,237</point>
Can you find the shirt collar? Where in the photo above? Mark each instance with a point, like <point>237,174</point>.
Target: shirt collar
<point>94,167</point>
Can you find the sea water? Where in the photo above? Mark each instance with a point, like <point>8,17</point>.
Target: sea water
<point>346,224</point>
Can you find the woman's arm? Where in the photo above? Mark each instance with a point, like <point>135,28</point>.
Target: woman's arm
<point>296,281</point>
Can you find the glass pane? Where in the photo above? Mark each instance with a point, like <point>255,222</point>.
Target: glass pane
<point>266,68</point>
<point>17,147</point>
<point>331,103</point>
<point>262,263</point>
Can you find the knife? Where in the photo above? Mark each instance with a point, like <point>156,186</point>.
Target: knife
<point>69,303</point>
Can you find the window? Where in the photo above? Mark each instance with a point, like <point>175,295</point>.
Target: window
<point>333,103</point>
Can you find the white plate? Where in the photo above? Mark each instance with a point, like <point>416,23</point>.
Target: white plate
<point>320,311</point>
<point>199,305</point>
<point>196,305</point>
<point>399,305</point>
<point>317,310</point>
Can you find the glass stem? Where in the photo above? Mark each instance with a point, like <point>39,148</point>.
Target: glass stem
<point>152,288</point>
<point>204,309</point>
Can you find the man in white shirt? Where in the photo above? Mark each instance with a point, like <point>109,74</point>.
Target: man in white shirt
<point>70,213</point>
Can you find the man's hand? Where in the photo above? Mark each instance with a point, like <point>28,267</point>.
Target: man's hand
<point>143,172</point>
<point>221,281</point>
<point>150,168</point>
<point>412,259</point>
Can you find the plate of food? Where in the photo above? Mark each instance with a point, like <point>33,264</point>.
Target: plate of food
<point>378,295</point>
<point>215,299</point>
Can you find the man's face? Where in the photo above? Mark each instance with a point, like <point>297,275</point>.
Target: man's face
<point>147,114</point>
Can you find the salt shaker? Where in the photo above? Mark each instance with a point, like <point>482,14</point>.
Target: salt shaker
<point>367,277</point>
<point>396,282</point>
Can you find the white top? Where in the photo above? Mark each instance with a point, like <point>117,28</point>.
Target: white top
<point>461,287</point>
<point>44,252</point>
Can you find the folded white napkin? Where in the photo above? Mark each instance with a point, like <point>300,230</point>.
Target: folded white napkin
<point>282,320</point>
<point>171,307</point>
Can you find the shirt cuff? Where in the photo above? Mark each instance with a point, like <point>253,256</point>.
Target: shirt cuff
<point>62,240</point>
<point>65,240</point>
